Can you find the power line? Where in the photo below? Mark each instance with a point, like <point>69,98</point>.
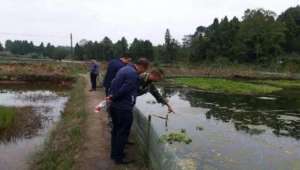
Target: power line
<point>34,35</point>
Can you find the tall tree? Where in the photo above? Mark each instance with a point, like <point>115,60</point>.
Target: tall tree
<point>141,48</point>
<point>120,47</point>
<point>1,47</point>
<point>171,48</point>
<point>107,48</point>
<point>260,37</point>
<point>41,49</point>
<point>8,45</point>
<point>49,50</point>
<point>291,18</point>
<point>78,52</point>
<point>213,35</point>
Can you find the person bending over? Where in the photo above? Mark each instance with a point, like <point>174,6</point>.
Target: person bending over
<point>146,85</point>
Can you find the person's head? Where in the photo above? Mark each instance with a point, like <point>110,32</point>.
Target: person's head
<point>156,74</point>
<point>126,58</point>
<point>142,65</point>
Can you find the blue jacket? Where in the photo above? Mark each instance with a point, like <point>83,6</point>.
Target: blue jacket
<point>94,68</point>
<point>113,67</point>
<point>124,88</point>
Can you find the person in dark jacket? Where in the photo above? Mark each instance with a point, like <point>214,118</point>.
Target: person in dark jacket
<point>113,67</point>
<point>94,72</point>
<point>146,85</point>
<point>122,94</point>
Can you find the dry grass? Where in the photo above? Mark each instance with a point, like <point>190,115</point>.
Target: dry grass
<point>40,71</point>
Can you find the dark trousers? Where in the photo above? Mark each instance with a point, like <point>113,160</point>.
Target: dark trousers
<point>106,91</point>
<point>122,121</point>
<point>93,78</point>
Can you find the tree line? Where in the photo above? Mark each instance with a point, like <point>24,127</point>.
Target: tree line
<point>24,47</point>
<point>260,36</point>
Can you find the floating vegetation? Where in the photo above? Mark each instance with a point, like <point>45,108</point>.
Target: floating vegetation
<point>180,137</point>
<point>227,86</point>
<point>23,122</point>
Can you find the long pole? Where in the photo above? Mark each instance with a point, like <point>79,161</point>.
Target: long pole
<point>71,41</point>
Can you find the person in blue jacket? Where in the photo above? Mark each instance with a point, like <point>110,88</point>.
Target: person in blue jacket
<point>113,67</point>
<point>94,72</point>
<point>122,94</point>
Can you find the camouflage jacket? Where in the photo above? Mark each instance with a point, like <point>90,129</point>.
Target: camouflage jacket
<point>147,85</point>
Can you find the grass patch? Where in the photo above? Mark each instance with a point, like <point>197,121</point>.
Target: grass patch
<point>64,142</point>
<point>281,83</point>
<point>226,86</point>
<point>7,116</point>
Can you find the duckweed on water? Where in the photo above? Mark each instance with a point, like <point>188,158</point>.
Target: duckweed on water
<point>227,86</point>
<point>180,137</point>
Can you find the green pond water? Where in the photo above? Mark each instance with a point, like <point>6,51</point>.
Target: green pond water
<point>231,131</point>
<point>36,107</point>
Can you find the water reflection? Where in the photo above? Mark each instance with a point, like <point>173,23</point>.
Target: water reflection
<point>36,112</point>
<point>250,114</point>
<point>238,132</point>
<point>26,124</point>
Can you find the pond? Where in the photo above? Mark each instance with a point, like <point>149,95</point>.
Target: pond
<point>231,131</point>
<point>36,108</point>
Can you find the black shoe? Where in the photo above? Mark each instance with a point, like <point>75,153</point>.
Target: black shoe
<point>123,162</point>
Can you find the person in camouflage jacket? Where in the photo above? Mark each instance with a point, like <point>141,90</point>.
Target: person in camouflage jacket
<point>146,85</point>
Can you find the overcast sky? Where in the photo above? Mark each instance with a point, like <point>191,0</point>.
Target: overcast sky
<point>53,20</point>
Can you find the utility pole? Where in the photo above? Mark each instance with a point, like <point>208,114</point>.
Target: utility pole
<point>71,41</point>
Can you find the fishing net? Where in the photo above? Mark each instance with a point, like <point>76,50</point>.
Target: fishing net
<point>158,155</point>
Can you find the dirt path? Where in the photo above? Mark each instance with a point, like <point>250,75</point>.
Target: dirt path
<point>95,152</point>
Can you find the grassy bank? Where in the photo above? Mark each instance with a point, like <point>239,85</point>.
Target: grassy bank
<point>7,117</point>
<point>227,71</point>
<point>64,141</point>
<point>226,86</point>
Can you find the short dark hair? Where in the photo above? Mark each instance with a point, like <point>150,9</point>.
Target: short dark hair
<point>158,71</point>
<point>126,55</point>
<point>144,62</point>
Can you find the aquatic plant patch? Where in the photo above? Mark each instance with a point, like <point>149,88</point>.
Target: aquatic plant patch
<point>180,137</point>
<point>19,123</point>
<point>7,116</point>
<point>227,86</point>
